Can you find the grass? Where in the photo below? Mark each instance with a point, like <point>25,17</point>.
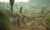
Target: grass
<point>38,19</point>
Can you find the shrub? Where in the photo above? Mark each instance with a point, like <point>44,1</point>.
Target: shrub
<point>47,19</point>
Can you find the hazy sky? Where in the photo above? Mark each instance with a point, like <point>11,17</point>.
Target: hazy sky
<point>15,0</point>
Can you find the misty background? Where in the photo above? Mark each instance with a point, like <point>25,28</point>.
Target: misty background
<point>30,7</point>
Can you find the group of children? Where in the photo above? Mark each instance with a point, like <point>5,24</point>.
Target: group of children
<point>16,19</point>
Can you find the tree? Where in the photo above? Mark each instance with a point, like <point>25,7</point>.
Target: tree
<point>21,9</point>
<point>11,3</point>
<point>43,10</point>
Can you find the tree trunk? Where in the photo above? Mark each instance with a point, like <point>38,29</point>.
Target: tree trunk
<point>11,8</point>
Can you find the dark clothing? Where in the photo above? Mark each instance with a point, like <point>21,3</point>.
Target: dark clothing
<point>18,20</point>
<point>24,20</point>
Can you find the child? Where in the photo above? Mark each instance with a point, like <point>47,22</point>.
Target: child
<point>24,20</point>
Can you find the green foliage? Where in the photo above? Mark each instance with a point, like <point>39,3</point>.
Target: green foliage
<point>46,13</point>
<point>4,22</point>
<point>42,11</point>
<point>47,18</point>
<point>28,19</point>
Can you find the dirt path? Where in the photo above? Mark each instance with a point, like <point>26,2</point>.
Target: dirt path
<point>33,25</point>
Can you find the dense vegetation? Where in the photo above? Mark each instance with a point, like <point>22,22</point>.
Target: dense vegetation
<point>4,21</point>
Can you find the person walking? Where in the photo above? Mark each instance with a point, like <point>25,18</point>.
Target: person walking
<point>24,20</point>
